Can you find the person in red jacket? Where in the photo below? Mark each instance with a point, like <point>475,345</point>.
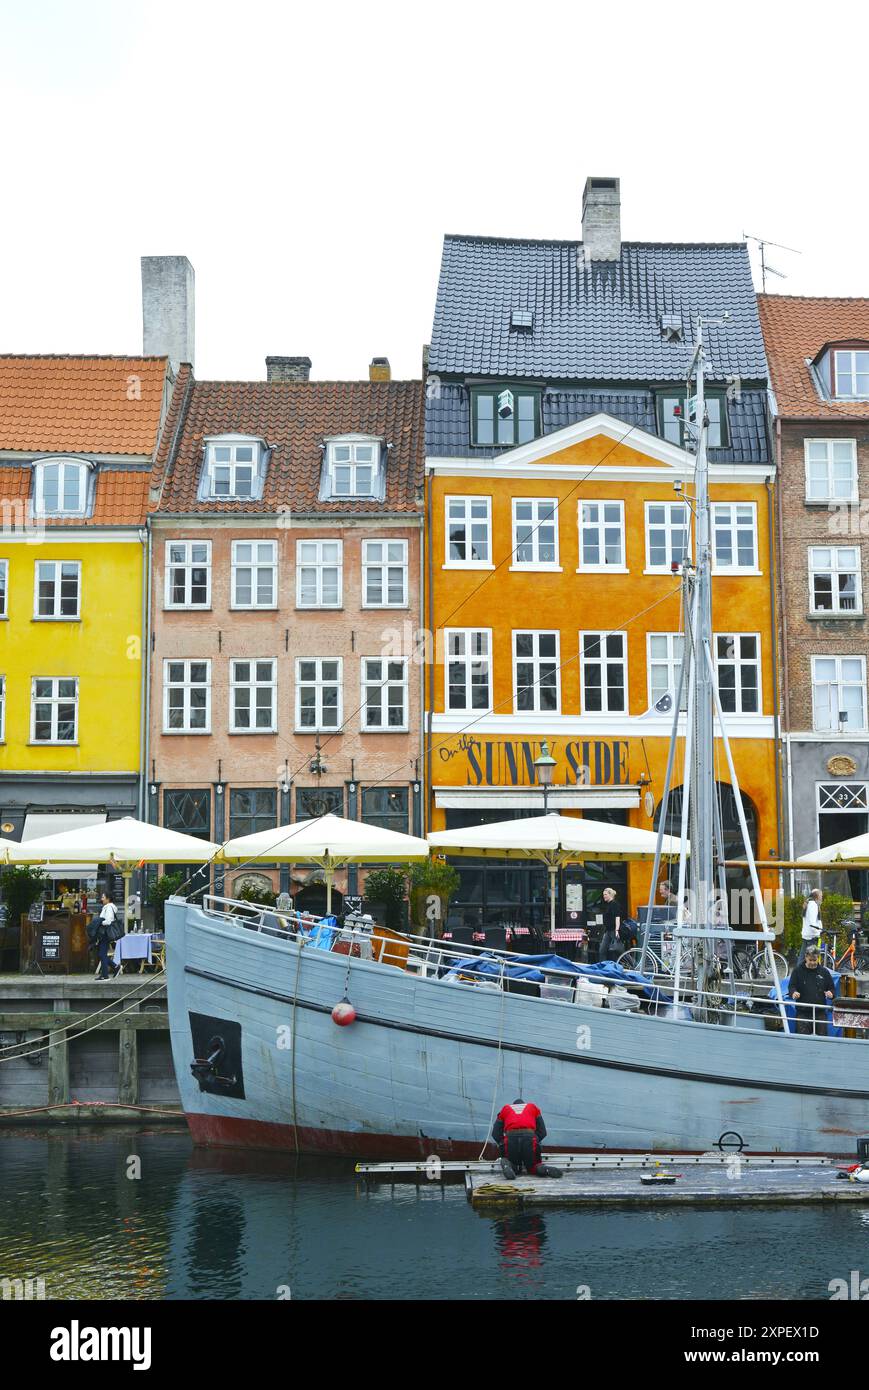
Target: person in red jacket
<point>519,1132</point>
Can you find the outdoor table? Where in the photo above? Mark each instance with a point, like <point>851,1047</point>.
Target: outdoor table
<point>136,946</point>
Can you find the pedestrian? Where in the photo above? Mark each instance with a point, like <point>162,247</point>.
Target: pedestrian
<point>811,987</point>
<point>105,935</point>
<point>610,944</point>
<point>811,923</point>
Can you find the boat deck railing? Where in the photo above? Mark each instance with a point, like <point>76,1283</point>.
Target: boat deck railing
<point>728,1002</point>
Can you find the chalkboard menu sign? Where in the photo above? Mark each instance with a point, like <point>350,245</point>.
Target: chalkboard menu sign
<point>36,913</point>
<point>49,945</point>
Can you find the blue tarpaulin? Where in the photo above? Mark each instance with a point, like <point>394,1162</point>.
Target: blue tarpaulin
<point>534,968</point>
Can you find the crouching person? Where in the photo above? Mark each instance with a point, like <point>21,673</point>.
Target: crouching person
<point>519,1132</point>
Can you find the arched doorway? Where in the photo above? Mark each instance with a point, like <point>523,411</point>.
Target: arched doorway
<point>738,880</point>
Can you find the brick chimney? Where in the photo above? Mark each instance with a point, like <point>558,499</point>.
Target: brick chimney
<point>379,369</point>
<point>288,368</point>
<point>168,327</point>
<point>601,220</point>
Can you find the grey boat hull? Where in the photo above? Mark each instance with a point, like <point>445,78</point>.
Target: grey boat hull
<point>427,1063</point>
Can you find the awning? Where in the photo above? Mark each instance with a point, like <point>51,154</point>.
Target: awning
<point>39,823</point>
<point>531,798</point>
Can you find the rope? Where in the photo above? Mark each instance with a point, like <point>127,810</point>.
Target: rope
<point>497,1066</point>
<point>80,1033</point>
<point>300,945</point>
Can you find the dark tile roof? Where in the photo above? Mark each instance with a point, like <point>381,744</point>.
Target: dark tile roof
<point>293,418</point>
<point>447,425</point>
<point>796,327</point>
<point>592,321</point>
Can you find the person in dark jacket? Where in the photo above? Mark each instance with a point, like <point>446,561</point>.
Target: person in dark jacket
<point>811,985</point>
<point>519,1132</point>
<point>610,943</point>
<point>105,935</point>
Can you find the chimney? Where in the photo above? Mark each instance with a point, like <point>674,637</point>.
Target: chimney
<point>168,308</point>
<point>601,220</point>
<point>379,370</point>
<point>288,368</point>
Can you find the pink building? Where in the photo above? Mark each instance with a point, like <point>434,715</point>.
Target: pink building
<point>286,571</point>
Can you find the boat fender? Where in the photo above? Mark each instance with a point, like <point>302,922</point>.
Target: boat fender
<point>861,1174</point>
<point>344,1013</point>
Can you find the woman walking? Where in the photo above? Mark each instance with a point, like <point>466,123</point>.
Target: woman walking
<point>106,934</point>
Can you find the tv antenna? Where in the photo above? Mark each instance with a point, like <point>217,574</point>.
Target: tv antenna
<point>765,269</point>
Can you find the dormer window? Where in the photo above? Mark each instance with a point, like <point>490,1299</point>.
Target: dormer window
<point>851,373</point>
<point>353,467</point>
<point>675,427</point>
<point>504,416</point>
<point>60,487</point>
<point>233,468</point>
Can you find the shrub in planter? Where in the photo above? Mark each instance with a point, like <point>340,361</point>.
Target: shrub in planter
<point>159,891</point>
<point>433,878</point>
<point>21,886</point>
<point>387,887</point>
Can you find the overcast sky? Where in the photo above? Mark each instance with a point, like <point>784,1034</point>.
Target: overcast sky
<point>308,159</point>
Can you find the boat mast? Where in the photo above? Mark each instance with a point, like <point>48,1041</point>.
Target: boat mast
<point>702,776</point>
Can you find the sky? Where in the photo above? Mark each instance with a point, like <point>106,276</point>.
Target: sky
<point>309,159</point>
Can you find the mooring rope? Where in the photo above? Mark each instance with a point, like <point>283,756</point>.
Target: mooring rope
<point>497,1066</point>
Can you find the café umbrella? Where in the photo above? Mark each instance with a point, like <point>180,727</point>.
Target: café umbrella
<point>330,842</point>
<point>126,844</point>
<point>854,849</point>
<point>552,840</point>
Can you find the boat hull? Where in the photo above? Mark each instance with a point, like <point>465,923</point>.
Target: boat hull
<point>427,1063</point>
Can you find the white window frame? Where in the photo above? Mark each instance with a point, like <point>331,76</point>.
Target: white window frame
<point>187,565</point>
<point>353,443</point>
<point>255,565</point>
<point>4,589</point>
<point>187,684</point>
<point>2,709</point>
<point>604,661</point>
<point>467,500</point>
<point>55,700</point>
<point>831,795</point>
<point>672,661</point>
<point>62,465</point>
<point>383,683</point>
<point>468,660</point>
<point>55,616</point>
<point>828,497</point>
<point>739,663</point>
<point>552,566</point>
<point>319,565</point>
<point>838,683</point>
<point>670,529</point>
<point>600,525</point>
<point>536,661</point>
<point>852,372</point>
<point>319,684</point>
<point>384,565</point>
<point>252,685</point>
<point>836,610</point>
<point>233,442</point>
<point>733,527</point>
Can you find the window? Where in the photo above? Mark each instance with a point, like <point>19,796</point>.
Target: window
<point>386,807</point>
<point>505,416</point>
<point>469,531</point>
<point>839,694</point>
<point>60,488</point>
<point>4,588</point>
<point>604,672</point>
<point>354,467</point>
<point>254,574</point>
<point>601,535</point>
<point>468,669</point>
<point>233,466</point>
<point>535,672</point>
<point>252,809</point>
<point>843,796</point>
<point>831,470</point>
<point>535,533</point>
<point>666,534</point>
<point>737,663</point>
<point>384,574</point>
<point>58,589</point>
<point>666,651</point>
<point>189,812</point>
<point>2,709</point>
<point>674,427</point>
<point>318,693</point>
<point>318,574</point>
<point>384,694</point>
<point>852,373</point>
<point>734,535</point>
<point>319,801</point>
<point>186,697</point>
<point>54,710</point>
<point>188,574</point>
<point>252,697</point>
<point>834,579</point>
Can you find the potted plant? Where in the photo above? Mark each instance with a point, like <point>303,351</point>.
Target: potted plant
<point>432,884</point>
<point>21,886</point>
<point>159,891</point>
<point>386,892</point>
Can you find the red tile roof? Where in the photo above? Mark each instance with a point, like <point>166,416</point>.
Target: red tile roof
<point>87,405</point>
<point>120,499</point>
<point>796,328</point>
<point>294,418</point>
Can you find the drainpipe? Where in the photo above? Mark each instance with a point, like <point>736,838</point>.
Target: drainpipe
<point>421,612</point>
<point>773,569</point>
<point>431,652</point>
<point>144,703</point>
<point>785,673</point>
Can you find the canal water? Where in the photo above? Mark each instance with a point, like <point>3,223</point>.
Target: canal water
<point>141,1214</point>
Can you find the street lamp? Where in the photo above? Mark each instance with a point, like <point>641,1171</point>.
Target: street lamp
<point>544,766</point>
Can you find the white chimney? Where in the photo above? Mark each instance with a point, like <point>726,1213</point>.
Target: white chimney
<point>601,220</point>
<point>168,308</point>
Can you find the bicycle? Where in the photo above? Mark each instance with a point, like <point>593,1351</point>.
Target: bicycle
<point>753,963</point>
<point>855,953</point>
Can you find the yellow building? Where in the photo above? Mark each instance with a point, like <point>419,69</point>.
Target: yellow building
<point>77,443</point>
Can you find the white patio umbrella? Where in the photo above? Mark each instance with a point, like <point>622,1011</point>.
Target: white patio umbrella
<point>844,851</point>
<point>329,841</point>
<point>552,840</point>
<point>124,843</point>
<point>5,847</point>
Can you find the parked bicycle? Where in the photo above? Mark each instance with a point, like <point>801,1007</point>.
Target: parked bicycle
<point>855,957</point>
<point>752,962</point>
